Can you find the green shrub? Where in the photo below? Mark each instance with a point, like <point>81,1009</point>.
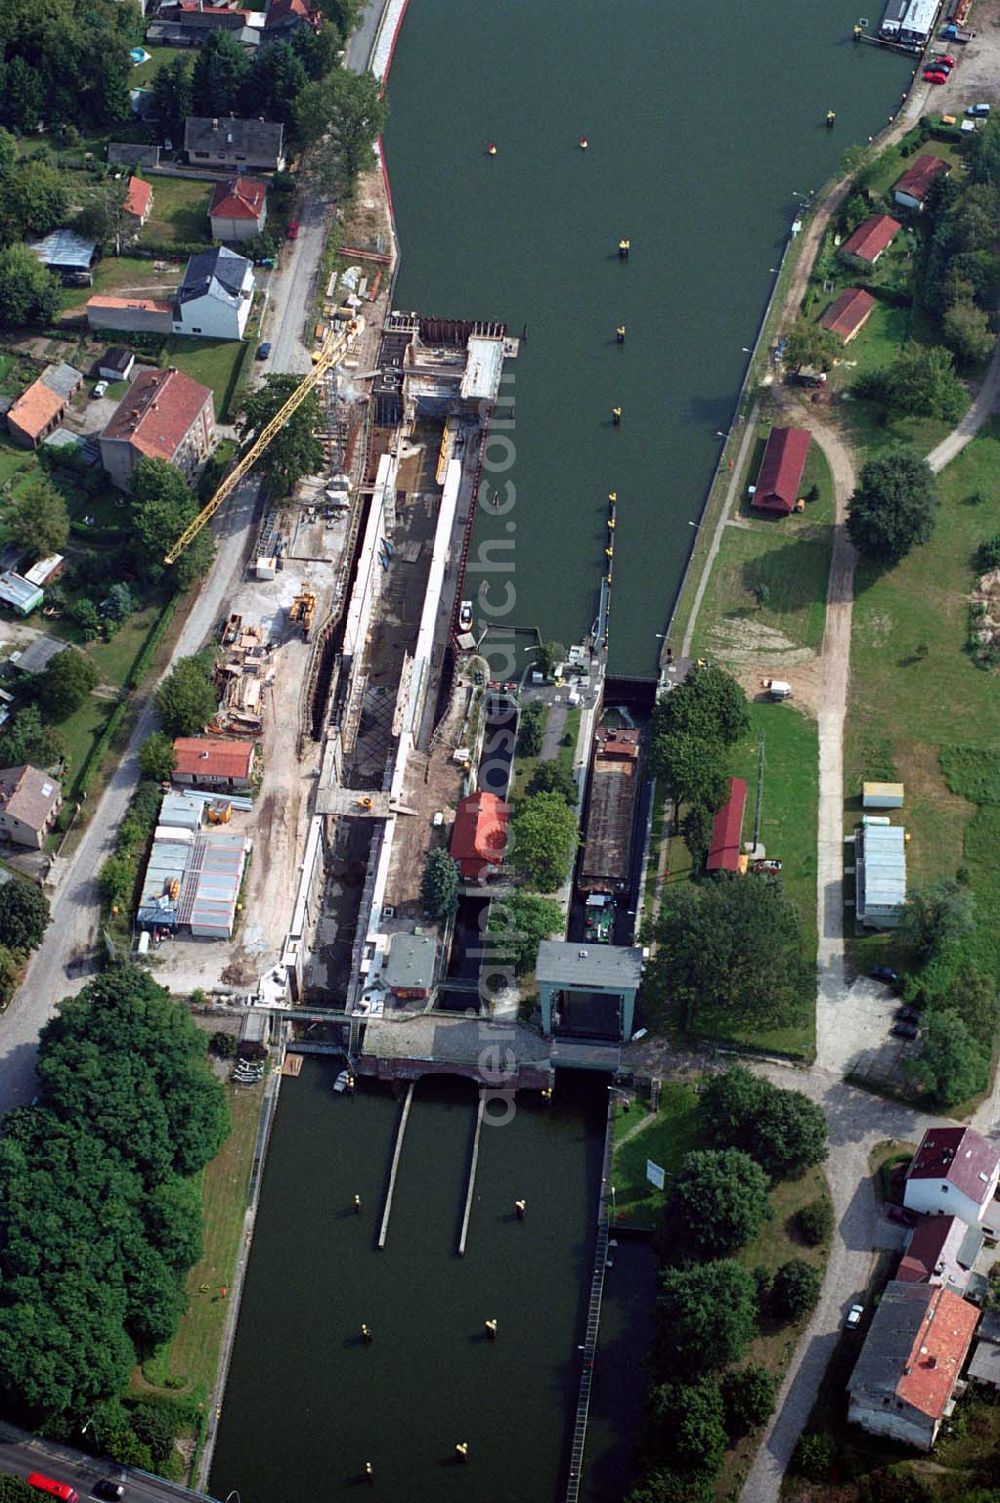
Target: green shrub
<point>814,1223</point>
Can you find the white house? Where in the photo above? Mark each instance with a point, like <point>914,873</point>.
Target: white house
<point>214,299</point>
<point>955,1172</point>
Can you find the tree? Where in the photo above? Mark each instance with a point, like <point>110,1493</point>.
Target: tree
<point>519,923</point>
<point>717,1202</point>
<point>748,1396</point>
<point>952,1065</point>
<point>921,382</point>
<point>8,975</point>
<point>37,518</point>
<point>530,729</point>
<point>162,507</point>
<point>34,198</point>
<point>28,293</point>
<point>187,701</point>
<point>783,1130</point>
<point>690,1425</point>
<point>696,827</point>
<point>935,916</point>
<point>25,739</point>
<point>548,655</point>
<point>219,70</point>
<point>892,510</point>
<point>545,835</point>
<point>439,885</point>
<point>119,602</point>
<point>24,915</point>
<point>87,617</point>
<point>795,1289</point>
<point>340,118</point>
<point>807,343</point>
<point>966,330</point>
<point>8,153</point>
<point>709,703</point>
<point>157,758</point>
<point>983,157</point>
<point>293,452</point>
<point>693,769</point>
<point>274,82</point>
<point>103,217</point>
<point>554,777</point>
<point>706,1316</point>
<point>673,1487</point>
<point>173,95</point>
<point>729,952</point>
<point>65,683</point>
<point>814,1222</point>
<point>855,211</point>
<point>814,1456</point>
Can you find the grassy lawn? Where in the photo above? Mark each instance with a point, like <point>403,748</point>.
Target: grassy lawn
<point>190,1361</point>
<point>81,730</point>
<point>180,209</point>
<point>907,704</point>
<point>144,74</point>
<point>214,362</point>
<point>664,1136</point>
<point>123,274</point>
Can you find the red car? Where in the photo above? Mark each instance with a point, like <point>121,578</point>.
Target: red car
<point>293,230</point>
<point>936,77</point>
<point>940,60</point>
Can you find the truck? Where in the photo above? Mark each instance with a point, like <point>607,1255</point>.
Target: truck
<point>599,918</point>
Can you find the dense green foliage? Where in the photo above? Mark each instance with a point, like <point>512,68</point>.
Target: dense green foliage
<point>921,382</point>
<point>706,1316</point>
<point>952,1065</point>
<point>162,507</point>
<point>728,953</point>
<point>518,924</point>
<point>693,727</point>
<point>892,510</point>
<point>65,682</point>
<point>814,1222</point>
<point>37,518</point>
<point>156,757</point>
<point>24,915</point>
<point>99,1218</point>
<point>709,704</point>
<point>295,451</point>
<point>186,701</point>
<point>545,835</point>
<point>29,294</point>
<point>748,1395</point>
<point>693,768</point>
<point>340,117</point>
<point>783,1130</point>
<point>530,729</point>
<point>25,739</point>
<point>795,1289</point>
<point>688,1425</point>
<point>935,916</point>
<point>65,62</point>
<point>554,777</point>
<point>808,343</point>
<point>439,885</point>
<point>717,1203</point>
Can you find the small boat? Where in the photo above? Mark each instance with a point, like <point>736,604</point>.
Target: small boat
<point>465,617</point>
<point>344,1082</point>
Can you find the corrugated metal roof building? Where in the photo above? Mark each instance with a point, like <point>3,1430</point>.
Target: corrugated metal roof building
<point>880,875</point>
<point>207,868</point>
<point>182,811</point>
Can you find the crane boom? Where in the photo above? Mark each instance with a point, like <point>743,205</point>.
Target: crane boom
<point>329,354</point>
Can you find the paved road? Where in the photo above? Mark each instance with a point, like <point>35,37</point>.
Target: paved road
<point>985,405</point>
<point>21,1453</point>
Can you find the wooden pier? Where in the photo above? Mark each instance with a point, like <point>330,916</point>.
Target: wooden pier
<point>473,1166</point>
<point>397,1150</point>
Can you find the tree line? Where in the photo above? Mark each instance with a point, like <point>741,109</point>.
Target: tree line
<point>704,1396</point>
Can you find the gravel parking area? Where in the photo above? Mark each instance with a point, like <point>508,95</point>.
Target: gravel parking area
<point>854,1024</point>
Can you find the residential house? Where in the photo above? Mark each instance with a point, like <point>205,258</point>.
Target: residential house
<point>984,1369</point>
<point>131,154</point>
<point>29,803</point>
<point>724,847</point>
<point>38,654</point>
<point>67,254</point>
<point>848,314</point>
<point>941,1250</point>
<point>238,210</point>
<point>215,297</point>
<point>37,412</point>
<point>188,23</point>
<point>879,874</point>
<point>164,415</point>
<point>132,315</point>
<point>138,203</point>
<point>284,16</point>
<point>202,762</point>
<point>903,1383</point>
<point>116,363</point>
<point>240,145</point>
<point>955,1172</point>
<point>65,380</point>
<point>410,969</point>
<point>871,239</point>
<point>913,187</point>
<point>479,836</point>
<point>780,476</point>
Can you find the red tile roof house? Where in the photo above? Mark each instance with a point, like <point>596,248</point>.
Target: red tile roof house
<point>871,238</point>
<point>479,836</point>
<point>205,763</point>
<point>29,803</point>
<point>780,475</point>
<point>913,187</point>
<point>285,15</point>
<point>848,314</point>
<point>941,1250</point>
<point>164,415</point>
<point>724,847</point>
<point>955,1172</point>
<point>238,210</point>
<point>904,1380</point>
<point>37,412</point>
<point>138,203</point>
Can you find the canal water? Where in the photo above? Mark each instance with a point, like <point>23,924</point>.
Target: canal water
<point>703,123</point>
<point>307,1404</point>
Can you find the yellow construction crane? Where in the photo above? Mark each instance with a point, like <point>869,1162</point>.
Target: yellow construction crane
<point>333,347</point>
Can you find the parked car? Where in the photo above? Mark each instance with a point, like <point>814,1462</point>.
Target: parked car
<point>886,974</point>
<point>907,1015</point>
<point>901,1214</point>
<point>937,59</point>
<point>99,389</point>
<point>854,1315</point>
<point>978,111</point>
<point>293,229</point>
<point>263,350</point>
<point>110,1489</point>
<point>905,1030</point>
<point>935,77</point>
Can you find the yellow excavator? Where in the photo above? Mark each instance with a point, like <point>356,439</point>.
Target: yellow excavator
<point>335,345</point>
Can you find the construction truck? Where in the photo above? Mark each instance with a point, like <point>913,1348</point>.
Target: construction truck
<point>303,609</point>
<point>219,812</point>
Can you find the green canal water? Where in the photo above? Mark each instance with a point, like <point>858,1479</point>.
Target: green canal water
<point>703,122</point>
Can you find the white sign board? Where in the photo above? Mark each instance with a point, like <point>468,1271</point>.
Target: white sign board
<point>654,1174</point>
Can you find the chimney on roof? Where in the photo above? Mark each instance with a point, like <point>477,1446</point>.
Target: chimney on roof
<point>932,1362</point>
